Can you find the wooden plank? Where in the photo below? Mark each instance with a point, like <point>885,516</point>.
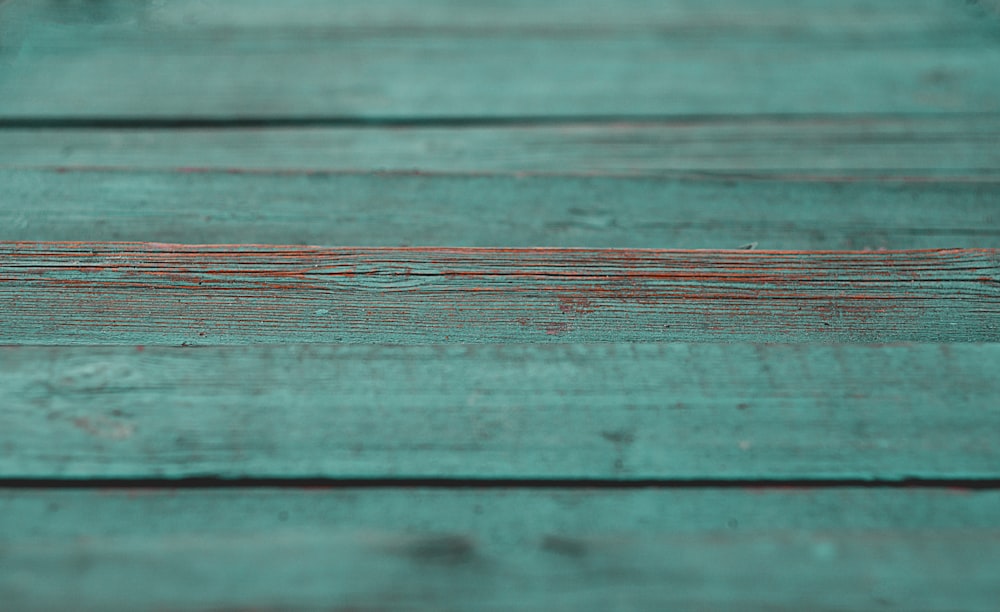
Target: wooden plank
<point>499,550</point>
<point>145,293</point>
<point>494,211</point>
<point>934,146</point>
<point>365,571</point>
<point>859,19</point>
<point>146,59</point>
<point>491,516</point>
<point>626,412</point>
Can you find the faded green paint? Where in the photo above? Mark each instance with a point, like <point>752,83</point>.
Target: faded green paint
<point>485,549</point>
<point>564,411</point>
<point>136,59</point>
<point>915,147</point>
<point>495,211</point>
<point>858,20</point>
<point>492,516</point>
<point>876,123</point>
<point>141,293</point>
<point>304,570</point>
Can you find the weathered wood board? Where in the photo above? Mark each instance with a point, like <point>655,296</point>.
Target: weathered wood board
<point>917,148</point>
<point>618,412</point>
<point>417,549</point>
<point>303,570</point>
<point>495,211</point>
<point>142,293</point>
<point>152,59</point>
<point>486,513</point>
<point>200,411</point>
<point>774,19</point>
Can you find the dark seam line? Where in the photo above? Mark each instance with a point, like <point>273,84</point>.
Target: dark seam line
<point>211,482</point>
<point>194,122</point>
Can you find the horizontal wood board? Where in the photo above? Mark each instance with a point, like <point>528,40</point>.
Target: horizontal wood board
<point>787,124</point>
<point>786,19</point>
<point>495,211</point>
<point>620,412</point>
<point>485,549</point>
<point>919,148</point>
<point>143,293</point>
<point>446,59</point>
<point>292,570</point>
<point>489,515</point>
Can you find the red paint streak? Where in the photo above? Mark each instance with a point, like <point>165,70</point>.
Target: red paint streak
<point>575,305</point>
<point>556,329</point>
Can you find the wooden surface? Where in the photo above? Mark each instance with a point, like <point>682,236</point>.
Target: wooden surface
<point>496,211</point>
<point>604,412</point>
<point>489,515</point>
<point>105,293</point>
<point>141,59</point>
<point>392,571</point>
<point>804,426</point>
<point>915,148</point>
<point>568,549</point>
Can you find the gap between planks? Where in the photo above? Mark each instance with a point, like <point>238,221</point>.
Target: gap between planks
<point>909,483</point>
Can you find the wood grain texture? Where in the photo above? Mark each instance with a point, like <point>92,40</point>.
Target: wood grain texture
<point>142,59</point>
<point>626,412</point>
<point>946,147</point>
<point>143,293</point>
<point>490,516</point>
<point>495,211</point>
<point>854,19</point>
<point>599,475</point>
<point>458,549</point>
<point>379,571</point>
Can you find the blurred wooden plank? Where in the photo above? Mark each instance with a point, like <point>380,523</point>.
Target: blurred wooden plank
<point>494,211</point>
<point>146,293</point>
<point>485,549</point>
<point>490,515</point>
<point>536,549</point>
<point>626,412</point>
<point>798,148</point>
<point>446,59</point>
<point>855,19</point>
<point>380,571</point>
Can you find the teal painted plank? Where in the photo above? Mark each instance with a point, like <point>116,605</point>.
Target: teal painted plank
<point>491,516</point>
<point>127,59</point>
<point>302,570</point>
<point>645,411</point>
<point>485,549</point>
<point>144,293</point>
<point>857,19</point>
<point>798,148</point>
<point>495,211</point>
